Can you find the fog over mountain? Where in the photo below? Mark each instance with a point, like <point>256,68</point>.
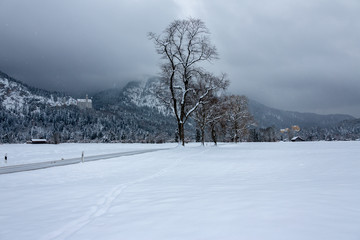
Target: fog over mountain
<point>300,55</point>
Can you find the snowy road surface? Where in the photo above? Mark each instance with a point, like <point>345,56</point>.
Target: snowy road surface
<point>64,162</point>
<point>31,153</point>
<point>244,191</point>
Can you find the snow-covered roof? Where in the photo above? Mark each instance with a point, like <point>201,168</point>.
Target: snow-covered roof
<point>297,138</point>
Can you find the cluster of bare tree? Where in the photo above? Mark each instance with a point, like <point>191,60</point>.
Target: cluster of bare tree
<point>188,89</point>
<point>225,117</point>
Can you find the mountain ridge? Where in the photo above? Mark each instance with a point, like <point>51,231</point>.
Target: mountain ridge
<point>130,114</point>
<point>272,117</point>
<point>35,113</point>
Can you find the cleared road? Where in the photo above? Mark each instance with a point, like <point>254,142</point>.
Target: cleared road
<point>64,162</point>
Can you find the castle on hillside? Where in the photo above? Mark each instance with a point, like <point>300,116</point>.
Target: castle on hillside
<point>84,103</point>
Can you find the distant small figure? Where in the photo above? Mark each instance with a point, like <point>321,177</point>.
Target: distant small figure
<point>5,157</point>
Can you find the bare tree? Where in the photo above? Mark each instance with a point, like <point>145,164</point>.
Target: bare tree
<point>183,46</point>
<point>210,115</point>
<point>219,121</point>
<point>202,118</point>
<point>239,117</point>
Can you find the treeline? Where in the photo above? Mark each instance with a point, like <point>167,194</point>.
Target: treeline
<point>348,130</point>
<point>240,126</point>
<point>228,121</point>
<point>70,124</point>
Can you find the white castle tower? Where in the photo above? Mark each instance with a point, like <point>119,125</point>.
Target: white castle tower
<point>84,103</point>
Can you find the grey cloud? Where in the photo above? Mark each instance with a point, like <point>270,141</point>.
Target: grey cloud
<point>296,55</point>
<point>75,45</point>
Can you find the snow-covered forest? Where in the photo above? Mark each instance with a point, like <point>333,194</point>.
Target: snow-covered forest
<point>134,114</point>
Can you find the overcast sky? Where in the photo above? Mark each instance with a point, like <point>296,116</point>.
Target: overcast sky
<point>300,55</point>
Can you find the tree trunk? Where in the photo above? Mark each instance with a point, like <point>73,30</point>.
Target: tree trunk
<point>181,133</point>
<point>213,135</point>
<point>202,136</point>
<point>235,132</point>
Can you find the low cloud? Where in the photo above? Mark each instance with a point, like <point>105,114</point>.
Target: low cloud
<point>298,55</point>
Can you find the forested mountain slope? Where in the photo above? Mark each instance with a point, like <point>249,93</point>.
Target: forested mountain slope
<point>27,112</point>
<point>133,114</point>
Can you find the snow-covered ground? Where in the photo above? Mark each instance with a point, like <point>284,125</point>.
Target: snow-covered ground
<point>246,191</point>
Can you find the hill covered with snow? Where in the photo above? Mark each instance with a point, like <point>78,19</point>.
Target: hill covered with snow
<point>135,114</point>
<point>20,98</point>
<point>27,112</point>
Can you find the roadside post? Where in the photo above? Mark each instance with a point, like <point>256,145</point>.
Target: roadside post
<point>5,158</point>
<point>82,157</point>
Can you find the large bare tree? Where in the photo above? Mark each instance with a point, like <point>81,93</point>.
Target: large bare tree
<point>184,45</point>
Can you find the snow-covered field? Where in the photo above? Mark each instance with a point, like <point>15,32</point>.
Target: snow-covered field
<point>246,191</point>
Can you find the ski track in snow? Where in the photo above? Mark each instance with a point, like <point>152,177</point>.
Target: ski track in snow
<point>102,207</point>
